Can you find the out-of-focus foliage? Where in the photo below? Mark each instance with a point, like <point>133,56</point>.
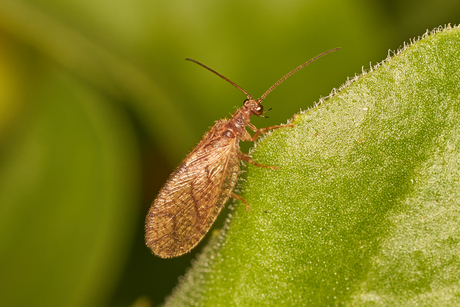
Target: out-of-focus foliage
<point>97,106</point>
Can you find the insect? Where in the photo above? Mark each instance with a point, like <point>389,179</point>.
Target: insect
<point>196,192</point>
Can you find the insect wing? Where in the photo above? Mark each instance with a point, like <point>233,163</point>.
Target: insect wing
<point>193,196</point>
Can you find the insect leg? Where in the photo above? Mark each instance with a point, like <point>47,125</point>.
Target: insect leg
<point>247,158</point>
<point>236,196</point>
<point>258,132</point>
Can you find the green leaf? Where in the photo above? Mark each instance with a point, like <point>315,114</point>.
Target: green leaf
<point>364,209</point>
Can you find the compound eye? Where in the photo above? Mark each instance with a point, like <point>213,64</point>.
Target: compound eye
<point>259,109</point>
<point>245,101</point>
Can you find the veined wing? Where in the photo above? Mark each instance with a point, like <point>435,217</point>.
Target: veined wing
<point>194,195</point>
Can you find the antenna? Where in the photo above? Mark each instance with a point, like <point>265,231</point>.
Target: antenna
<point>225,78</point>
<point>293,71</point>
<point>274,85</point>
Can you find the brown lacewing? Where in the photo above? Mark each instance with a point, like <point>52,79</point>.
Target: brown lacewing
<point>196,192</point>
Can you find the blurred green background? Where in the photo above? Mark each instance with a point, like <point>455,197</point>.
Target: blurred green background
<point>98,106</point>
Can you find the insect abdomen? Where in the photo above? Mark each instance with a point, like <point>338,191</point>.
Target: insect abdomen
<point>193,196</point>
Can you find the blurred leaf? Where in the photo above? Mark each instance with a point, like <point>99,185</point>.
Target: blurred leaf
<point>68,188</point>
<point>97,65</point>
<point>364,209</point>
